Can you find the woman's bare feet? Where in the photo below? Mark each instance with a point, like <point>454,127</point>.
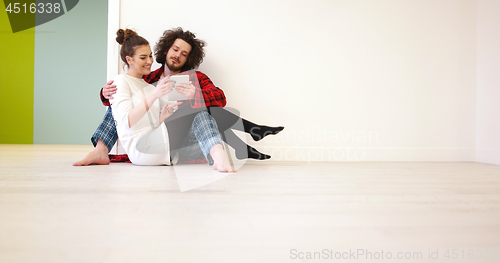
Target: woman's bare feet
<point>97,156</point>
<point>221,163</point>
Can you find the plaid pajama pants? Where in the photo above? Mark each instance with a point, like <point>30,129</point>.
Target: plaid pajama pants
<point>202,136</point>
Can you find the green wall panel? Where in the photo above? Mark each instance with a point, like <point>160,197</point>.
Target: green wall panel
<point>70,69</point>
<point>16,85</point>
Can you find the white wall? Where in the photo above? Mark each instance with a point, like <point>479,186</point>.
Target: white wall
<point>350,80</point>
<point>488,82</point>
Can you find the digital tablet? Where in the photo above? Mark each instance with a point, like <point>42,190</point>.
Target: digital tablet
<point>174,94</point>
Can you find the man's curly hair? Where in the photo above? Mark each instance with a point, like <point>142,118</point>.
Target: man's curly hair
<point>194,58</point>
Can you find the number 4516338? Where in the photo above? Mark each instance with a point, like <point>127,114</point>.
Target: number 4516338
<point>48,8</point>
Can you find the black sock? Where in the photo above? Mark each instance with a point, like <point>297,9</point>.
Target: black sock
<point>261,131</point>
<point>252,153</point>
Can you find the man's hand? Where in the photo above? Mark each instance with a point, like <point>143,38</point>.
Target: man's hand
<point>109,90</point>
<point>186,89</point>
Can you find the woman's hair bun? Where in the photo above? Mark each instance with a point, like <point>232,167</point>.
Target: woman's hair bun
<point>129,41</point>
<point>123,35</point>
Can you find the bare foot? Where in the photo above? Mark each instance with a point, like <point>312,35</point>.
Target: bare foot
<point>221,163</point>
<point>97,156</point>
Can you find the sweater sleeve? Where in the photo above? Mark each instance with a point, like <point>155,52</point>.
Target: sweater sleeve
<point>151,78</point>
<point>121,103</point>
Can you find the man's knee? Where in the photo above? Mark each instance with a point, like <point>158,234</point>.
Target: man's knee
<point>203,120</point>
<point>202,116</point>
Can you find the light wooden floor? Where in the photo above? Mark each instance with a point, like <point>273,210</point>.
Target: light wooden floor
<point>53,212</point>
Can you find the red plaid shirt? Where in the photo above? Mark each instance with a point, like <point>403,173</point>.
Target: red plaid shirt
<point>206,94</point>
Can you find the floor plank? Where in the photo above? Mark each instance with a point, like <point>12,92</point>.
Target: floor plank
<point>268,211</point>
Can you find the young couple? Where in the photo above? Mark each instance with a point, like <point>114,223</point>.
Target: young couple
<point>155,131</point>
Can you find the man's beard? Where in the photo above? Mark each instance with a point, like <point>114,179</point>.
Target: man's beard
<point>172,67</point>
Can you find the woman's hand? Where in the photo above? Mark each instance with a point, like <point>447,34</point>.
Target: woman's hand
<point>186,89</point>
<point>108,90</point>
<point>168,110</point>
<point>163,87</point>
